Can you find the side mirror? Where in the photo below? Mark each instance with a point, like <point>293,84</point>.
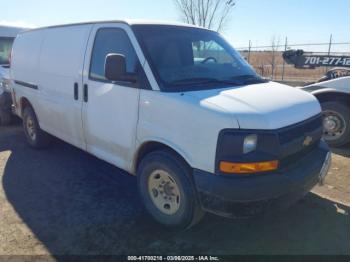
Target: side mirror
<point>115,69</point>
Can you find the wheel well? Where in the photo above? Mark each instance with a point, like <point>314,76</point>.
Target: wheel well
<point>334,96</point>
<point>152,146</point>
<point>24,102</point>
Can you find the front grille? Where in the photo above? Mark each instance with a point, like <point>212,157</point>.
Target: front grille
<point>292,140</point>
<point>301,129</point>
<point>293,158</point>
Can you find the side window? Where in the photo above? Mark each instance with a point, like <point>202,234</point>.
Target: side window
<point>112,40</point>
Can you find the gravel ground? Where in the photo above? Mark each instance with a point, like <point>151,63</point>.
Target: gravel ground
<point>63,201</point>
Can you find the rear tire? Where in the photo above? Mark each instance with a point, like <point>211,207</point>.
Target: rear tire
<point>167,190</point>
<point>36,137</point>
<point>336,123</point>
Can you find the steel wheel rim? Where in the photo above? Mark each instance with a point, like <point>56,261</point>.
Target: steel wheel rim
<point>164,192</point>
<point>31,128</point>
<point>334,125</point>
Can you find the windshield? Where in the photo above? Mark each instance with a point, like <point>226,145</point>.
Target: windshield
<point>5,50</point>
<point>186,59</point>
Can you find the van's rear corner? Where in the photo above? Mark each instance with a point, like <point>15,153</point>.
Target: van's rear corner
<point>245,185</point>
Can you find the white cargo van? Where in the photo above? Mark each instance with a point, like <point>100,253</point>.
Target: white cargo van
<point>176,106</point>
<point>7,36</point>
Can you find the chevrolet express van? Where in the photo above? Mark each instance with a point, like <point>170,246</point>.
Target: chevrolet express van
<point>7,36</point>
<point>176,106</point>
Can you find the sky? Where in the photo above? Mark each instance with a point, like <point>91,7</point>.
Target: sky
<point>302,21</point>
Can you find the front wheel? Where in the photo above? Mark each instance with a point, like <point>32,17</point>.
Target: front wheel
<point>167,190</point>
<point>336,122</point>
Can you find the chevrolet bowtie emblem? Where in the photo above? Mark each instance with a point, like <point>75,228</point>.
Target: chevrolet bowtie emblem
<point>308,140</point>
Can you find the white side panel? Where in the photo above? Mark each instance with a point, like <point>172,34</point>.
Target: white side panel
<point>25,56</point>
<point>61,65</point>
<point>25,65</point>
<point>110,116</point>
<point>181,122</point>
<point>110,122</point>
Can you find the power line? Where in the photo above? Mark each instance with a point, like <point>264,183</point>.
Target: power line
<point>294,45</point>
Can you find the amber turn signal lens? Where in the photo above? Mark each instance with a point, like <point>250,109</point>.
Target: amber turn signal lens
<point>248,168</point>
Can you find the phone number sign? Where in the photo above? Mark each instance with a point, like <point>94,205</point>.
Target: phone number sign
<point>315,61</point>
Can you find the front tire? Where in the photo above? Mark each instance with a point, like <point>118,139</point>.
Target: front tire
<point>336,122</point>
<point>167,190</point>
<point>36,137</point>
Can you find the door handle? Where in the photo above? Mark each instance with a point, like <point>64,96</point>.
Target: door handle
<point>86,93</point>
<point>76,91</point>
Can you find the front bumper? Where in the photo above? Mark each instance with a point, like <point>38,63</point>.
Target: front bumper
<point>245,196</point>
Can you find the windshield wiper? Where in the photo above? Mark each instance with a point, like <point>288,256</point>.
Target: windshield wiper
<point>202,81</point>
<point>249,79</point>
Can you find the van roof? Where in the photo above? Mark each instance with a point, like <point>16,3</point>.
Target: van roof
<point>126,21</point>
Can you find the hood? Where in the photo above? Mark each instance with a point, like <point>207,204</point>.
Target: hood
<point>261,106</point>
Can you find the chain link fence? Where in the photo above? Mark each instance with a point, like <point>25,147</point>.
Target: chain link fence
<point>269,63</point>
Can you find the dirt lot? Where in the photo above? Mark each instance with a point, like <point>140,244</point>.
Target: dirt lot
<point>261,61</point>
<point>64,201</point>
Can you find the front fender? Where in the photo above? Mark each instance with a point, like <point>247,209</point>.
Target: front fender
<point>324,94</point>
<point>167,143</point>
<point>338,85</point>
<point>326,90</point>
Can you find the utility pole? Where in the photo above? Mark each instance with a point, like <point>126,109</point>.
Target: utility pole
<point>329,48</point>
<point>284,62</point>
<point>249,49</point>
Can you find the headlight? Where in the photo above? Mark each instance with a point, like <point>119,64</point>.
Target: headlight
<point>249,144</point>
